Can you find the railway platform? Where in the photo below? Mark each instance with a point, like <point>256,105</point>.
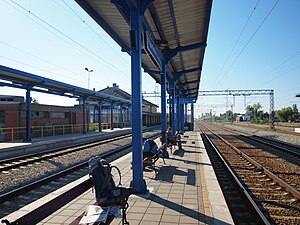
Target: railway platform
<point>184,191</point>
<point>13,149</point>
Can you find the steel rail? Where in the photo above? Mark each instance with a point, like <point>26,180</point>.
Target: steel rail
<point>267,141</point>
<point>243,189</point>
<point>26,188</point>
<point>292,190</point>
<point>52,153</point>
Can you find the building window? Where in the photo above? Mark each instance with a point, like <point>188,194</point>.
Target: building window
<point>38,114</point>
<point>2,117</point>
<point>58,115</point>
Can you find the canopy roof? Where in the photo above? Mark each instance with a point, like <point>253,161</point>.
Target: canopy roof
<point>177,28</point>
<point>20,79</point>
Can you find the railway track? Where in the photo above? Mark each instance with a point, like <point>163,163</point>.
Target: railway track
<point>12,163</point>
<point>282,159</point>
<point>275,199</point>
<point>12,200</point>
<point>284,129</point>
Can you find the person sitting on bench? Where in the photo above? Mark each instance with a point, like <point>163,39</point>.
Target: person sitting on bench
<point>173,140</point>
<point>151,153</point>
<point>150,148</point>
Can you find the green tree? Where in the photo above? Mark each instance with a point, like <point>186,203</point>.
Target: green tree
<point>285,114</point>
<point>257,114</point>
<point>250,110</point>
<point>295,109</point>
<point>256,107</point>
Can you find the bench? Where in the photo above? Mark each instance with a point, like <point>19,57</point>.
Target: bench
<point>176,140</point>
<point>123,204</point>
<point>149,160</point>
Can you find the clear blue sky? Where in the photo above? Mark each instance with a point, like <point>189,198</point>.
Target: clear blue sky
<point>270,60</point>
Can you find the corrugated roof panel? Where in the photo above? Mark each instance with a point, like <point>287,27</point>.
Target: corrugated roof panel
<point>180,23</point>
<point>187,56</point>
<point>111,15</point>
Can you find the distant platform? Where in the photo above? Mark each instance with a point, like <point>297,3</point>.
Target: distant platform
<point>13,149</point>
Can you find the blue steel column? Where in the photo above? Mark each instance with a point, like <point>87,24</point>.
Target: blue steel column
<point>28,113</point>
<point>163,109</point>
<point>136,90</point>
<point>94,114</point>
<point>178,112</point>
<point>170,105</point>
<point>111,116</point>
<point>182,116</point>
<point>128,119</point>
<point>121,117</point>
<point>100,116</point>
<point>185,113</point>
<point>192,116</point>
<point>173,108</point>
<point>83,116</point>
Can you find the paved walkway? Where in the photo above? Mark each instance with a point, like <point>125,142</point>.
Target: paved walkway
<point>185,191</point>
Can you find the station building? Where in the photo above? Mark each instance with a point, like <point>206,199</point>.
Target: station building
<point>150,114</point>
<point>51,120</point>
<point>46,120</point>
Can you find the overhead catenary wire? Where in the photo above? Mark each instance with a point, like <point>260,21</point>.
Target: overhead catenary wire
<point>66,36</point>
<point>76,75</point>
<point>248,42</point>
<point>237,40</point>
<point>32,66</point>
<point>52,32</point>
<point>278,66</point>
<point>39,58</point>
<point>280,75</point>
<point>82,20</point>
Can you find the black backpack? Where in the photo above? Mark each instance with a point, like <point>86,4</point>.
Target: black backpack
<point>107,193</point>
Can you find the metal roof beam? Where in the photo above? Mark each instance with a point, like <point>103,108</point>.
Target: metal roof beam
<point>124,8</point>
<point>93,13</point>
<point>188,90</point>
<point>189,82</point>
<point>176,34</point>
<point>173,52</point>
<point>180,73</point>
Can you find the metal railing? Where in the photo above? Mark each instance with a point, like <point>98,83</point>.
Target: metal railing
<point>8,134</point>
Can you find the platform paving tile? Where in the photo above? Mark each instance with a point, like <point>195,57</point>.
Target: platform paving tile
<point>152,217</point>
<point>170,218</point>
<point>176,192</point>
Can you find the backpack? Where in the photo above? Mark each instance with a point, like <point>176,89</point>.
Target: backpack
<point>107,193</point>
<point>150,147</point>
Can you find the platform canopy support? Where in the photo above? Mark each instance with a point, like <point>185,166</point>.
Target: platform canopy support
<point>178,111</point>
<point>83,116</point>
<point>99,115</point>
<point>28,113</point>
<point>185,113</point>
<point>182,116</point>
<point>121,116</point>
<point>164,109</point>
<point>94,114</point>
<point>128,117</point>
<point>173,107</point>
<point>136,91</point>
<point>192,116</point>
<point>111,116</point>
